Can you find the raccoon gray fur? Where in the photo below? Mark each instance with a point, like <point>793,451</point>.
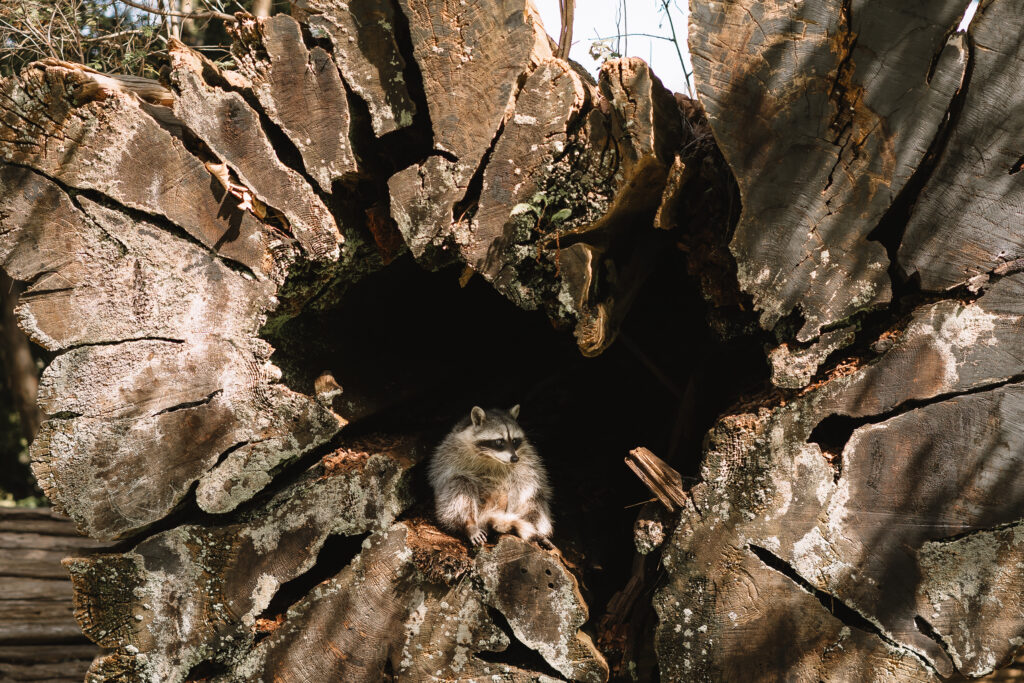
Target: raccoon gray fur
<point>486,474</point>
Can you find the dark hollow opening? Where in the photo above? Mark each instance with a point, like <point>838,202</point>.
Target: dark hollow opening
<point>414,351</point>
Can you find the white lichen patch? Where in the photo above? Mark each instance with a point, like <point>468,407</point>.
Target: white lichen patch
<point>815,559</point>
<point>966,583</point>
<point>262,593</point>
<point>970,326</point>
<point>954,331</point>
<point>784,496</point>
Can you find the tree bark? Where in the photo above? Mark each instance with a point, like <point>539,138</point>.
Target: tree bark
<point>210,264</point>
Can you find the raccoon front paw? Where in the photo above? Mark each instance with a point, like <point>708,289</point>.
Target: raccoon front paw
<point>543,542</point>
<point>477,536</point>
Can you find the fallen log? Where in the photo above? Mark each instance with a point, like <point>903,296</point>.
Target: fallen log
<point>268,306</point>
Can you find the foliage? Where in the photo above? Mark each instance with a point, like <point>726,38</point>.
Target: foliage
<point>101,34</point>
<point>114,36</point>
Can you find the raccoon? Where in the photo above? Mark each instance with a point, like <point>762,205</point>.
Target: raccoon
<point>486,474</point>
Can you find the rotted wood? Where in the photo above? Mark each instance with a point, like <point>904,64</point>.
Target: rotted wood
<point>411,600</point>
<point>130,291</point>
<point>39,637</point>
<point>428,611</point>
<point>865,522</point>
<point>470,83</point>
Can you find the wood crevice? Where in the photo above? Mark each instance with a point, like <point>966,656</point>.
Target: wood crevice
<point>286,151</point>
<point>138,215</point>
<point>974,532</point>
<point>517,654</point>
<point>839,609</point>
<point>336,553</point>
<point>421,133</point>
<point>928,630</point>
<point>891,227</point>
<point>27,298</point>
<point>190,404</point>
<point>834,431</point>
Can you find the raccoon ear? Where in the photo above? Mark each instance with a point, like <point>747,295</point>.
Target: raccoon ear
<point>477,415</point>
<point>514,411</point>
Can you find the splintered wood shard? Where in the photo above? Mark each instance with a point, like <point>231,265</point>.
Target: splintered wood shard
<point>662,480</point>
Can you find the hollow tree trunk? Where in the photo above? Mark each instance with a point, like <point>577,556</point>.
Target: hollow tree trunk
<point>860,520</point>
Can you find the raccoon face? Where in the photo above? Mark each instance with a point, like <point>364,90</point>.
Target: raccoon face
<point>496,434</point>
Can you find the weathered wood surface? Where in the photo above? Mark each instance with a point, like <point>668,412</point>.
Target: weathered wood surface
<point>823,132</point>
<point>301,91</point>
<point>857,522</point>
<point>165,232</point>
<point>866,523</point>
<point>973,197</point>
<point>40,640</point>
<point>196,297</point>
<point>370,51</point>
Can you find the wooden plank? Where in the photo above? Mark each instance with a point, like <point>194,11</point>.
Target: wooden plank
<point>40,640</point>
<point>46,663</point>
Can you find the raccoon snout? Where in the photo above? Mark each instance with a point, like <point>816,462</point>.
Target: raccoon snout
<point>514,458</point>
